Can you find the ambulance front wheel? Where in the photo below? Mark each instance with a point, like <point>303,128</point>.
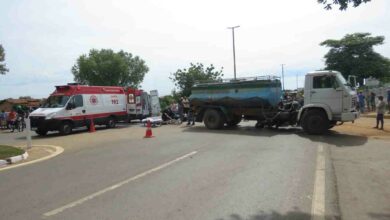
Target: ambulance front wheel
<point>41,132</point>
<point>66,128</point>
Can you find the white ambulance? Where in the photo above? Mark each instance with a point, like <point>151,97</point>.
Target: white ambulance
<point>71,106</point>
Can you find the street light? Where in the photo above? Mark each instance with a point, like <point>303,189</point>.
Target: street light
<point>283,76</point>
<point>234,50</point>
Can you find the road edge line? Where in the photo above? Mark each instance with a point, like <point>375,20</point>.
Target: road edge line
<point>318,201</point>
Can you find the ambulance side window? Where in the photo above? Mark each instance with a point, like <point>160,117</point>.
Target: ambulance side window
<point>78,101</point>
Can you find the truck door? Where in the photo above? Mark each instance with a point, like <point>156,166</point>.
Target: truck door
<point>326,90</point>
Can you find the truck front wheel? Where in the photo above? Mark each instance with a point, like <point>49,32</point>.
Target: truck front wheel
<point>315,122</point>
<point>213,119</point>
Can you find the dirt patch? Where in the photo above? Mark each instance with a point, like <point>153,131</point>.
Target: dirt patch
<point>364,127</point>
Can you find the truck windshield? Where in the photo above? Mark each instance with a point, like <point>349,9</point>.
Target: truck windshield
<point>56,102</point>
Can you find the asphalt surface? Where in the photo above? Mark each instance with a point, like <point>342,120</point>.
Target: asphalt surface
<point>237,173</point>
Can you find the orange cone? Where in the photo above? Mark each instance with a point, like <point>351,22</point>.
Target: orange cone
<point>148,133</point>
<point>92,126</point>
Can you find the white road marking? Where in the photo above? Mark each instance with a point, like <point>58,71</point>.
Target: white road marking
<point>318,202</point>
<point>110,188</point>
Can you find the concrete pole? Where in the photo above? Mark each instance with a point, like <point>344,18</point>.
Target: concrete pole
<point>28,131</point>
<point>283,77</point>
<point>234,51</point>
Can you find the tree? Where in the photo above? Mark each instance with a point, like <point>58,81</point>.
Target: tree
<point>3,69</point>
<point>108,68</point>
<point>165,101</point>
<point>184,79</point>
<point>342,3</point>
<point>354,55</point>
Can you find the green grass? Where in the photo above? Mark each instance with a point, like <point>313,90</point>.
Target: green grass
<point>8,151</point>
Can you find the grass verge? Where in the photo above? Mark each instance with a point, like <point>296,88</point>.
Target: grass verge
<point>8,151</point>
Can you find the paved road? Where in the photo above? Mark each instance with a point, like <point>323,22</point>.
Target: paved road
<point>182,173</point>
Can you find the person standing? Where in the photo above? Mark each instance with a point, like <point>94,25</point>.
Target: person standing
<point>186,105</point>
<point>181,110</point>
<point>372,101</point>
<point>3,119</point>
<point>388,100</point>
<point>12,119</point>
<point>380,109</point>
<point>361,102</point>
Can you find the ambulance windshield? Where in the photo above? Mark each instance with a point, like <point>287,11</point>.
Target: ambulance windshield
<point>56,102</point>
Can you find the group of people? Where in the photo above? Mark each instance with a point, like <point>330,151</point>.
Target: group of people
<point>372,105</point>
<point>183,111</point>
<point>13,120</point>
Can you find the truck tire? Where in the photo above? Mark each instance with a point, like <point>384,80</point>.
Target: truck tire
<point>235,120</point>
<point>213,119</point>
<point>111,123</point>
<point>65,128</point>
<point>41,132</point>
<point>315,122</point>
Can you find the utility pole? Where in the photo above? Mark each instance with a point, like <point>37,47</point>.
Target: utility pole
<point>297,82</point>
<point>283,76</point>
<point>234,50</point>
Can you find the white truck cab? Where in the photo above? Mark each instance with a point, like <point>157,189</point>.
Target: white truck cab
<point>328,99</point>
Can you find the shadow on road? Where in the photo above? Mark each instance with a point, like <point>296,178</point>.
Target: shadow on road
<point>273,215</point>
<point>379,216</point>
<point>331,137</point>
<point>79,131</point>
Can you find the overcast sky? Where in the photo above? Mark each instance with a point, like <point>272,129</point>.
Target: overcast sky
<point>43,39</point>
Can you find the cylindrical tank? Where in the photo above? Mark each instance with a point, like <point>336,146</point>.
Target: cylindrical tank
<point>261,93</point>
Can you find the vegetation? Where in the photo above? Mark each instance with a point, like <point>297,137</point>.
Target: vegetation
<point>343,4</point>
<point>165,101</point>
<point>108,68</point>
<point>184,79</point>
<point>3,69</point>
<point>354,55</point>
<point>8,151</point>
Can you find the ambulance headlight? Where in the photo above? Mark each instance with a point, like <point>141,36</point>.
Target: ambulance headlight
<point>51,115</point>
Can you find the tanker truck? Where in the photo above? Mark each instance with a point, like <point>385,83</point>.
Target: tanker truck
<point>328,100</point>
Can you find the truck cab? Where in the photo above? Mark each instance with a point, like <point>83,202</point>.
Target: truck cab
<point>328,99</point>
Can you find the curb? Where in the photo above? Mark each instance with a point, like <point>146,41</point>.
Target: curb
<point>14,159</point>
<point>57,150</point>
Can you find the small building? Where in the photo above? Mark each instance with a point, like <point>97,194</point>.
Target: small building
<point>8,104</point>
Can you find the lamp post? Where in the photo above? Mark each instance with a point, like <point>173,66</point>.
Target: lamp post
<point>283,76</point>
<point>234,50</point>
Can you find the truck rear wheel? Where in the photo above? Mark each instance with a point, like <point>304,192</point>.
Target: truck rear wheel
<point>213,119</point>
<point>66,128</point>
<point>315,122</point>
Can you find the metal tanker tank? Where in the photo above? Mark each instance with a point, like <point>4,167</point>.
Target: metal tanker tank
<point>255,92</point>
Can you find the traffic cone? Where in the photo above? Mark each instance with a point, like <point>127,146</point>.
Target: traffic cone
<point>92,126</point>
<point>148,133</point>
